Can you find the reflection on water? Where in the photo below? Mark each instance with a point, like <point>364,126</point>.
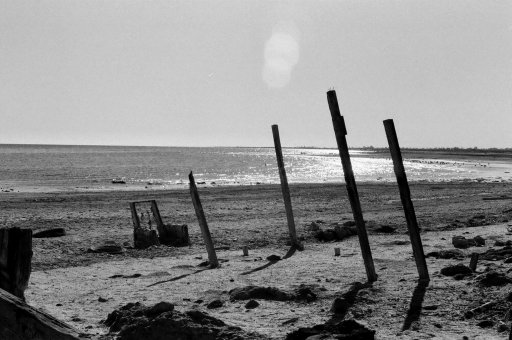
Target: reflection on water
<point>94,167</point>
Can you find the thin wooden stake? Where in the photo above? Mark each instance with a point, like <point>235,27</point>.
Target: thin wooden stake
<point>473,262</point>
<point>405,195</point>
<point>285,189</point>
<point>212,256</point>
<point>340,131</point>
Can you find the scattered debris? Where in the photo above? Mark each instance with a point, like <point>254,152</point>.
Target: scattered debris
<point>303,292</point>
<point>501,243</point>
<point>472,312</point>
<point>493,278</point>
<point>334,232</point>
<point>462,242</point>
<point>346,329</point>
<point>497,254</point>
<point>456,269</point>
<point>215,304</point>
<point>446,254</point>
<point>161,321</point>
<point>262,293</point>
<point>110,247</point>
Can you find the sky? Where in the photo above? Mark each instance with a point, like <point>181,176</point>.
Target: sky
<point>220,73</point>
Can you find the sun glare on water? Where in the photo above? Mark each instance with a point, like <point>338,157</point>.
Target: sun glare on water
<point>281,55</point>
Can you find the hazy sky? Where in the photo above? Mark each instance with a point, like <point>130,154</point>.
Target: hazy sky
<point>212,73</point>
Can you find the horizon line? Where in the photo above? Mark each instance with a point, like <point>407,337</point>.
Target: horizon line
<point>241,146</point>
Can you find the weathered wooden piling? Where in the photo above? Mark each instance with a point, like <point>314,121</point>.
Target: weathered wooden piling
<point>405,196</point>
<point>285,189</point>
<point>245,250</point>
<point>212,256</point>
<point>340,131</point>
<point>474,261</point>
<point>15,260</point>
<point>143,237</point>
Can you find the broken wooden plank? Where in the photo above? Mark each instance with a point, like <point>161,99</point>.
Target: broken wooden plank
<point>19,321</point>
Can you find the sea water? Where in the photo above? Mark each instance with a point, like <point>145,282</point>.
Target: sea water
<point>50,168</point>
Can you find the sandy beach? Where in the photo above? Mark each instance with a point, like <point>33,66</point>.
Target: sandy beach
<point>67,280</point>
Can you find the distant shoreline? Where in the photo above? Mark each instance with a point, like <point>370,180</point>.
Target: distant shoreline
<point>446,150</point>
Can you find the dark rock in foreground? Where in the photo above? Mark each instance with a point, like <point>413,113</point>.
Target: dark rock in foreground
<point>455,270</point>
<point>135,321</point>
<point>347,330</point>
<point>493,278</point>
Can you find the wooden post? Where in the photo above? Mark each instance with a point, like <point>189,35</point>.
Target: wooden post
<point>245,251</point>
<point>473,262</point>
<point>340,131</point>
<point>285,189</point>
<point>15,260</point>
<point>212,257</point>
<point>135,216</point>
<point>337,251</point>
<point>19,321</point>
<point>156,214</point>
<point>405,195</point>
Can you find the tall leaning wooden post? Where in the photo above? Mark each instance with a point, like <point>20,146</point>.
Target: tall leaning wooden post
<point>405,196</point>
<point>212,257</point>
<point>341,131</point>
<point>285,189</point>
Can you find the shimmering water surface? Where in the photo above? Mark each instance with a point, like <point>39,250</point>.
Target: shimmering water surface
<point>75,168</point>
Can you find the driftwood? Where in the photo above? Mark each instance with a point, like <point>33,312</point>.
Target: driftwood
<point>19,321</point>
<point>15,260</point>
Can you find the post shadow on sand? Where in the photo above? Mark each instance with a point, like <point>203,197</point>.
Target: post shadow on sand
<point>289,254</point>
<point>342,304</point>
<point>179,277</point>
<point>413,314</point>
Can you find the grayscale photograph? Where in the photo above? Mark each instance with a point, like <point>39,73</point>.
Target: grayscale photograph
<point>255,169</point>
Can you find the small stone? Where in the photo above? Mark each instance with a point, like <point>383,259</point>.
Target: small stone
<point>102,299</point>
<point>251,304</point>
<point>485,324</point>
<point>215,304</point>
